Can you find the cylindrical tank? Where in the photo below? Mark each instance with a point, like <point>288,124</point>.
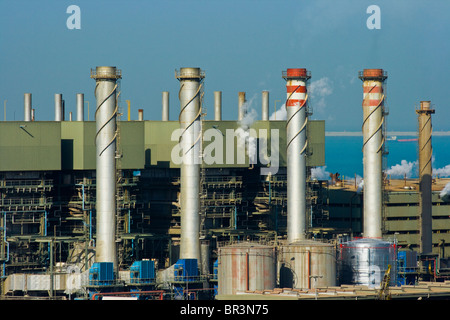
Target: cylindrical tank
<point>364,261</point>
<point>307,264</point>
<point>246,266</point>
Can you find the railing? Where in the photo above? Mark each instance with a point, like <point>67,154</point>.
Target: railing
<point>223,179</point>
<point>381,76</point>
<point>189,75</point>
<point>106,75</point>
<point>307,75</point>
<point>222,196</point>
<point>26,202</point>
<point>27,183</point>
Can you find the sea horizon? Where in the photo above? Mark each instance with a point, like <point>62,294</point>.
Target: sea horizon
<point>343,154</point>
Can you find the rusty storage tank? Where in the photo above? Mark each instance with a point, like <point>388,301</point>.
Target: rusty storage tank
<point>307,264</point>
<point>246,266</point>
<point>364,261</point>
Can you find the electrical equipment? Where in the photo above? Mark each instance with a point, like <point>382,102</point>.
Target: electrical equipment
<point>101,273</point>
<point>142,271</point>
<point>186,270</point>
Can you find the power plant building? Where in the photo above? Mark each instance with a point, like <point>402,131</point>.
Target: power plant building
<point>169,219</point>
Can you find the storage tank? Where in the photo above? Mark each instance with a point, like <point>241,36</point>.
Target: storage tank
<point>307,264</point>
<point>246,266</point>
<point>364,262</point>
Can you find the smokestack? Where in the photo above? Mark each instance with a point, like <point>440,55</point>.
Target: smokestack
<point>80,107</point>
<point>141,114</point>
<point>241,101</point>
<point>129,110</point>
<point>425,176</point>
<point>373,148</point>
<point>296,141</point>
<point>27,107</point>
<point>58,107</point>
<point>265,105</point>
<point>165,106</point>
<point>63,110</point>
<point>70,116</point>
<point>105,140</point>
<point>190,96</point>
<point>33,114</point>
<point>218,105</point>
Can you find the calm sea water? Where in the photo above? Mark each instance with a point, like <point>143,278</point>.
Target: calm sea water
<point>344,155</point>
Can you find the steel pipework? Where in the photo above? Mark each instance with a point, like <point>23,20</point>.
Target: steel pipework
<point>165,106</point>
<point>425,176</point>
<point>241,106</point>
<point>59,113</point>
<point>296,140</point>
<point>80,107</point>
<point>105,140</point>
<point>27,107</point>
<point>373,148</point>
<point>265,105</point>
<point>218,105</point>
<point>190,141</point>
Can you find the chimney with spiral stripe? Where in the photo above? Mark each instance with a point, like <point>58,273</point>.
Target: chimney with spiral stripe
<point>105,140</point>
<point>373,149</point>
<point>190,95</point>
<point>296,141</point>
<point>425,178</point>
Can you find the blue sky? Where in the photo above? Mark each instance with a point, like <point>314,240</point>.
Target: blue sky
<point>241,45</point>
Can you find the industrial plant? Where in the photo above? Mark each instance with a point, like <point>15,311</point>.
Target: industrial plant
<point>199,209</point>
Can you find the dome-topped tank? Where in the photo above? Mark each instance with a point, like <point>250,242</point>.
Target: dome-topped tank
<point>364,261</point>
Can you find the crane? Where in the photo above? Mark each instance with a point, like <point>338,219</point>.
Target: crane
<point>384,294</point>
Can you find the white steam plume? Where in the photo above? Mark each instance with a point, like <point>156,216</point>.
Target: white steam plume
<point>320,173</point>
<point>360,186</point>
<point>445,193</point>
<point>402,169</point>
<point>246,140</point>
<point>280,114</point>
<point>442,172</point>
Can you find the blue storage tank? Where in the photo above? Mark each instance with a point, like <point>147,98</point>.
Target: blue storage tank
<point>142,271</point>
<point>186,270</point>
<point>101,273</point>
